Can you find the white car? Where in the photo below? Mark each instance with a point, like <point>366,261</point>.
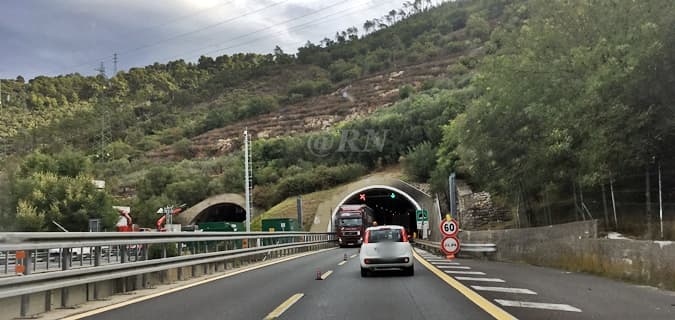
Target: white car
<point>386,247</point>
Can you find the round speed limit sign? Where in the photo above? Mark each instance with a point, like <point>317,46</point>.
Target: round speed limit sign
<point>450,245</point>
<point>449,228</point>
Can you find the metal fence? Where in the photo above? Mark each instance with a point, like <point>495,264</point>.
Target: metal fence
<point>44,261</point>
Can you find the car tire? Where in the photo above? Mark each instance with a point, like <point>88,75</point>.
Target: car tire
<point>410,271</point>
<point>364,272</point>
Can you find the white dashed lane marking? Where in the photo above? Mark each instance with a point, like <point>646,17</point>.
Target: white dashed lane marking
<point>537,305</point>
<point>504,289</point>
<point>480,279</point>
<point>477,273</point>
<point>454,267</point>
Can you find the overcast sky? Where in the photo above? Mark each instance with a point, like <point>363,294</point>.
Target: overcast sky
<point>44,37</point>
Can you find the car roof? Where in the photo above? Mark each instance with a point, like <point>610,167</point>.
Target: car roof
<point>385,227</point>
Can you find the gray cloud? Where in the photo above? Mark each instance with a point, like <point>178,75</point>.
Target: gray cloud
<point>42,37</point>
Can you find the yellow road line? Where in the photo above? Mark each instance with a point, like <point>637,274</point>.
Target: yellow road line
<point>326,274</point>
<point>341,263</point>
<point>154,295</point>
<point>485,304</point>
<point>284,306</point>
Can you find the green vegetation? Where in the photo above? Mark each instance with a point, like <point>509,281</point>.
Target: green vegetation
<point>541,101</point>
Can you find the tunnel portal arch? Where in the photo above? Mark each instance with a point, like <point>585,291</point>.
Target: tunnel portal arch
<point>385,212</point>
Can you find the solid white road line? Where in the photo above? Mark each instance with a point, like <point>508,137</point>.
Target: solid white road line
<point>326,274</point>
<point>504,289</point>
<point>480,279</point>
<point>452,267</point>
<point>341,263</point>
<point>284,306</point>
<point>353,256</point>
<point>537,305</point>
<point>445,263</point>
<point>477,273</point>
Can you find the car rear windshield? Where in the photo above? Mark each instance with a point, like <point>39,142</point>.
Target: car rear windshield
<point>350,222</point>
<point>385,235</point>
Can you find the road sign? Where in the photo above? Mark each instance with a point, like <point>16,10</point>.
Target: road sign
<point>449,228</point>
<point>450,246</point>
<point>422,215</point>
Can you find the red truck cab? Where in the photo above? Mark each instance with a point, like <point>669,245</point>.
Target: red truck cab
<point>351,222</point>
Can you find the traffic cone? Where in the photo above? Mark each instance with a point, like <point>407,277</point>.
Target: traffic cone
<point>318,275</point>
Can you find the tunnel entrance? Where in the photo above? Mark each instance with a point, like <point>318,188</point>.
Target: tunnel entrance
<point>229,212</point>
<point>390,205</point>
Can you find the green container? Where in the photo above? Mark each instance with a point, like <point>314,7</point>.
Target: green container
<point>224,226</point>
<point>279,225</point>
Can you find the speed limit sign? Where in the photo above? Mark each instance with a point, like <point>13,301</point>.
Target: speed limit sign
<point>449,228</point>
<point>450,245</point>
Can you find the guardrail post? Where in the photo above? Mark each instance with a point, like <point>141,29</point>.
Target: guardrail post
<point>25,299</point>
<point>65,265</point>
<point>123,254</point>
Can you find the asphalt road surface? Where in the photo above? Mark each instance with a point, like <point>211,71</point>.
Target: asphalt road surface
<point>458,289</point>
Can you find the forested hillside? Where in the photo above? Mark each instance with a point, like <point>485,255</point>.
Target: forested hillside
<point>551,106</point>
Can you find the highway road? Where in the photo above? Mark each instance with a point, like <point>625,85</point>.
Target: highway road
<point>440,289</point>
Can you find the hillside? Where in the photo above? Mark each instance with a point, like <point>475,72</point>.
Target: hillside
<point>359,98</point>
<point>563,111</point>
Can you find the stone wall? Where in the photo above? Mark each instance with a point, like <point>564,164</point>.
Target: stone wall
<point>476,210</point>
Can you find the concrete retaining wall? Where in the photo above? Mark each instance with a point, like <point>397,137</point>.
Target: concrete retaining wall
<point>575,247</point>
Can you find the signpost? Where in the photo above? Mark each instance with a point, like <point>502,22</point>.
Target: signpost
<point>450,246</point>
<point>449,228</point>
<point>450,243</point>
<point>422,218</point>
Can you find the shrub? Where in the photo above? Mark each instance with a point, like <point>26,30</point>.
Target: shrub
<point>309,88</point>
<point>405,91</point>
<point>420,162</point>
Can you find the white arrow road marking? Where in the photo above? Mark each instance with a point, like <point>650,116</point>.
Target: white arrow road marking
<point>538,305</point>
<point>480,279</point>
<point>504,289</point>
<point>478,273</point>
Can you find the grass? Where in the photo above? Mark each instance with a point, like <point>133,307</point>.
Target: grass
<point>287,209</point>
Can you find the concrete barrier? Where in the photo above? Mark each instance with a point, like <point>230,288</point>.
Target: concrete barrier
<point>575,247</point>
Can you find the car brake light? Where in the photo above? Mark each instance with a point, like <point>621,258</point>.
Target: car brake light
<point>365,239</point>
<point>366,261</point>
<point>404,236</point>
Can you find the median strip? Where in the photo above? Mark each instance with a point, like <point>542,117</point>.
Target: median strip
<point>276,313</point>
<point>485,304</point>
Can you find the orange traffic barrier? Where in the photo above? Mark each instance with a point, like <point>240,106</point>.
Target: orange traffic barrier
<point>19,256</point>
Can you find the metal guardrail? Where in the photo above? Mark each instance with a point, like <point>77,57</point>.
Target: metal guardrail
<point>464,247</point>
<point>134,253</point>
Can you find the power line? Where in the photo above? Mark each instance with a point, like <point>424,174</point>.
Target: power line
<point>192,31</point>
<point>293,28</point>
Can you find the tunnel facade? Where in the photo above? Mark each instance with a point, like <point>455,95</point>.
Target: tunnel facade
<point>224,207</point>
<point>399,209</point>
<point>390,205</point>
